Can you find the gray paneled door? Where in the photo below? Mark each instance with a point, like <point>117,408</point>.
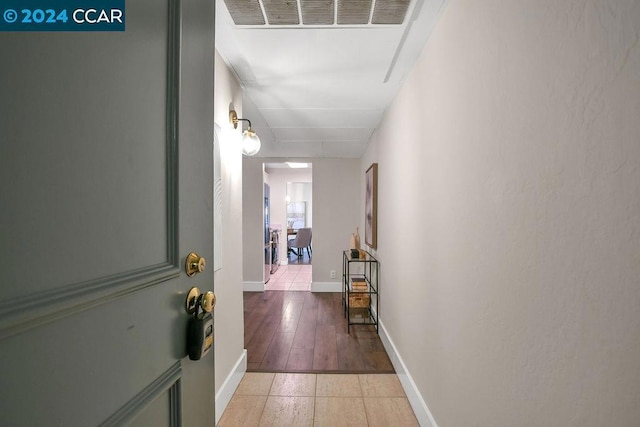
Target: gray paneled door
<point>106,180</point>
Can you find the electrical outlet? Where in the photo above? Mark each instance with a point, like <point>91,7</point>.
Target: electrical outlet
<point>332,274</point>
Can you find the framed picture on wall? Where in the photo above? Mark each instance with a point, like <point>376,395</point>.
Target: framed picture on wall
<point>371,206</point>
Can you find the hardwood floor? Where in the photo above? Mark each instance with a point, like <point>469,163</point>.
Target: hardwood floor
<point>287,331</point>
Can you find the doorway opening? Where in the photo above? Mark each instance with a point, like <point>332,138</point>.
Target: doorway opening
<point>290,225</point>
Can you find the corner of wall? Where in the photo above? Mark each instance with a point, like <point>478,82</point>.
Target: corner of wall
<point>253,286</point>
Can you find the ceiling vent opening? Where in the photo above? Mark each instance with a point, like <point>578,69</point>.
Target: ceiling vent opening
<point>245,12</point>
<point>318,12</point>
<point>281,12</point>
<point>390,12</point>
<point>354,12</point>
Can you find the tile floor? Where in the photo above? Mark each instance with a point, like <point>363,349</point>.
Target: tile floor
<point>269,399</point>
<point>290,278</point>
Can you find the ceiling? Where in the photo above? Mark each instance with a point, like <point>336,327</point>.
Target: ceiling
<point>317,75</point>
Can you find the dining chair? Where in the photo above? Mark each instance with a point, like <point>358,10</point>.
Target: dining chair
<point>301,242</point>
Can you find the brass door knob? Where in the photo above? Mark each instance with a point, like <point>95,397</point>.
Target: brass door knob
<point>208,301</point>
<point>195,299</point>
<point>195,264</point>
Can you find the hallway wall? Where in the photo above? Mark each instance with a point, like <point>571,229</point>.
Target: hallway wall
<point>509,214</point>
<point>228,313</point>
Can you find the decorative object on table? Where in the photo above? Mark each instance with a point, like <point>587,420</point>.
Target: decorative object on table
<point>371,206</point>
<point>355,244</point>
<point>355,239</point>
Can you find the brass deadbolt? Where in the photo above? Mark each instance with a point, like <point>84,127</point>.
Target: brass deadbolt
<point>195,264</point>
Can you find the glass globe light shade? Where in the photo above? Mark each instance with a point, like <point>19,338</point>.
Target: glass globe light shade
<point>250,143</point>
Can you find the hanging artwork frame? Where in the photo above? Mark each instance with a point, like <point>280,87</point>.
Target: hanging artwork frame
<point>371,206</point>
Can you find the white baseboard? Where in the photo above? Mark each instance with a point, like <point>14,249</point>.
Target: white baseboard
<point>253,286</point>
<point>326,287</point>
<point>419,406</point>
<point>224,395</point>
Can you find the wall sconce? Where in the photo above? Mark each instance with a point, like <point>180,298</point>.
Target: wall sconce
<point>250,141</point>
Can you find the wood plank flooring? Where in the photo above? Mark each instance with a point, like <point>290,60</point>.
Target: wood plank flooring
<point>288,331</point>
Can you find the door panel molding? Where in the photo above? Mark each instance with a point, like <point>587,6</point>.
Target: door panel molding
<point>21,314</point>
<point>173,114</point>
<point>28,311</point>
<point>167,382</point>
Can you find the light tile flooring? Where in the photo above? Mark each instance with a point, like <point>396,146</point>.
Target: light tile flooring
<point>290,278</point>
<point>268,399</point>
